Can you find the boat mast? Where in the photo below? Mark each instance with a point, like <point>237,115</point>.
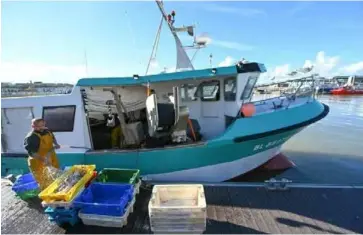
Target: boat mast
<point>183,60</point>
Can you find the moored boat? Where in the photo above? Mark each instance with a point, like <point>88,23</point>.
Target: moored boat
<point>188,125</point>
<point>347,91</point>
<point>325,86</point>
<point>350,88</point>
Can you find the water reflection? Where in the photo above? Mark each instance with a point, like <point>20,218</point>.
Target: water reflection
<point>329,151</point>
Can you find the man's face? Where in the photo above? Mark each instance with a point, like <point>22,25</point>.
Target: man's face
<point>40,126</point>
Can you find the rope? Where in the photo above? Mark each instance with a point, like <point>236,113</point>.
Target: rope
<point>192,129</point>
<point>155,44</point>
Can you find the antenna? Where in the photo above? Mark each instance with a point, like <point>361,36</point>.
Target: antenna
<point>183,61</point>
<point>210,59</point>
<point>85,61</point>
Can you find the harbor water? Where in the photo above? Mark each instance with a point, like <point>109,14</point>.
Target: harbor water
<point>329,151</point>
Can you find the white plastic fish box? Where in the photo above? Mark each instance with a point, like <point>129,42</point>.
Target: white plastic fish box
<point>178,208</point>
<point>108,221</point>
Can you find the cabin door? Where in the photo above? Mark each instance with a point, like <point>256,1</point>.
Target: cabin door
<point>15,123</point>
<point>212,123</point>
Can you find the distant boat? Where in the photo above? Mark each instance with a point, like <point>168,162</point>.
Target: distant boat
<point>34,89</point>
<point>350,88</point>
<point>325,86</point>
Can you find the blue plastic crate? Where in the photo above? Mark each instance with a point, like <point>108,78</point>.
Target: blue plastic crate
<point>105,199</point>
<point>25,183</point>
<point>26,178</point>
<point>60,220</point>
<point>53,212</point>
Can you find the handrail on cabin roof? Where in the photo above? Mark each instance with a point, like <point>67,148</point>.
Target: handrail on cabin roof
<point>175,76</point>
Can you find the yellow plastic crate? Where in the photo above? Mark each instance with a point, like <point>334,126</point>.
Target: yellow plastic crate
<point>49,193</point>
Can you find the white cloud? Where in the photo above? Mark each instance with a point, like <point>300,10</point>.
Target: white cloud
<point>165,69</point>
<point>243,11</point>
<point>324,65</point>
<point>154,67</point>
<point>203,38</point>
<point>280,70</point>
<point>353,68</point>
<point>171,69</point>
<point>307,64</point>
<point>154,63</point>
<point>24,72</point>
<point>232,45</point>
<point>227,62</point>
<point>300,6</point>
<point>220,43</point>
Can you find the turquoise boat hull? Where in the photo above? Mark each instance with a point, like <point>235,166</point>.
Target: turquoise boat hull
<point>245,145</point>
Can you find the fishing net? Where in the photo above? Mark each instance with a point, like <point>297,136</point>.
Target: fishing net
<point>70,181</point>
<point>48,176</point>
<point>53,172</point>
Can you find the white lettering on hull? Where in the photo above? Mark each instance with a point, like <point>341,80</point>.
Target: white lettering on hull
<point>270,144</point>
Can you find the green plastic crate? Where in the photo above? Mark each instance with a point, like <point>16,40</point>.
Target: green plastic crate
<point>116,175</point>
<point>28,194</point>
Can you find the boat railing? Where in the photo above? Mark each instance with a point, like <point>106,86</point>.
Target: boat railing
<point>289,96</point>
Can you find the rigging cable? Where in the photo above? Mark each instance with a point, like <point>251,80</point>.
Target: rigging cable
<point>155,46</point>
<point>131,31</point>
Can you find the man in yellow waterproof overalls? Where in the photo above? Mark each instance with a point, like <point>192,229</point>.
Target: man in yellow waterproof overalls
<point>40,144</point>
<point>116,133</point>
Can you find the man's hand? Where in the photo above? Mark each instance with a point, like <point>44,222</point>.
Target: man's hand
<point>36,156</point>
<point>47,158</point>
<point>47,161</point>
<point>56,146</point>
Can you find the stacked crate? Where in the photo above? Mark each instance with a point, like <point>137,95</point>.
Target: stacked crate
<point>120,176</point>
<point>59,205</point>
<point>106,204</point>
<point>178,209</point>
<point>62,215</point>
<point>61,211</point>
<point>51,192</point>
<point>26,187</point>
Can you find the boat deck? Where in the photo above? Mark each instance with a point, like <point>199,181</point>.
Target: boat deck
<point>231,209</point>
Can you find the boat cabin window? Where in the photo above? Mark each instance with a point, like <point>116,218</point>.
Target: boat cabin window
<point>59,118</point>
<point>283,85</point>
<point>249,88</point>
<point>187,92</point>
<point>209,91</point>
<point>230,89</point>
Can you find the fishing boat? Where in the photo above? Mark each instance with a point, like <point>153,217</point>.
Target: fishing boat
<point>187,125</point>
<point>325,86</point>
<point>34,89</point>
<point>347,90</point>
<point>350,88</point>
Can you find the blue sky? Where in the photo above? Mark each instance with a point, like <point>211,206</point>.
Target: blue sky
<point>47,41</point>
